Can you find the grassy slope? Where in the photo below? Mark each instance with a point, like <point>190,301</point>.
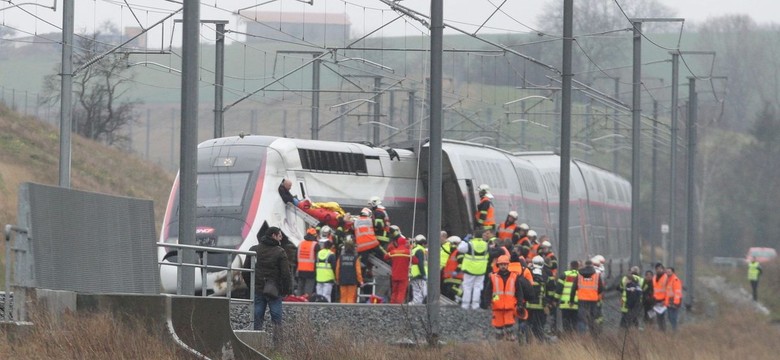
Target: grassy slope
<point>29,152</point>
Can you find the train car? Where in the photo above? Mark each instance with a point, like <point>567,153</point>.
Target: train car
<point>239,177</point>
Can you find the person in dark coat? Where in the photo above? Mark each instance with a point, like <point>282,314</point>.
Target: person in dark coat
<point>272,265</point>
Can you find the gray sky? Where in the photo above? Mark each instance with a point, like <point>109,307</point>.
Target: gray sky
<point>365,15</point>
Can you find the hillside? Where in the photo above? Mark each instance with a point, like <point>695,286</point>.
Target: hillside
<point>29,152</point>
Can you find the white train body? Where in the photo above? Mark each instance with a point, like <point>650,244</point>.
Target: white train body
<point>238,180</point>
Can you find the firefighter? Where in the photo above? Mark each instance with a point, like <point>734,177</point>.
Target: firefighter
<point>349,275</point>
<point>508,229</point>
<point>485,217</point>
<point>567,301</point>
<point>452,276</point>
<point>545,251</point>
<point>544,289</point>
<point>523,241</point>
<point>381,221</point>
<point>400,258</point>
<point>365,239</point>
<point>534,247</point>
<point>587,290</point>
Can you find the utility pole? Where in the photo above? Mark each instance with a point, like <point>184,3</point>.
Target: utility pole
<point>654,184</point>
<point>673,156</point>
<point>219,79</point>
<point>66,92</point>
<point>636,113</point>
<point>565,166</point>
<point>435,168</point>
<point>691,224</point>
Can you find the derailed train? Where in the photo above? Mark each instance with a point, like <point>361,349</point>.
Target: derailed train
<point>239,177</point>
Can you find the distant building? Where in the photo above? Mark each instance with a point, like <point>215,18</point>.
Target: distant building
<point>328,29</point>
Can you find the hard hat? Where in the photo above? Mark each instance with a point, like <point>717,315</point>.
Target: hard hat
<point>513,214</point>
<point>600,259</point>
<point>524,226</point>
<point>375,201</point>
<point>453,239</point>
<point>531,233</point>
<point>365,212</point>
<point>394,229</point>
<point>484,187</point>
<point>546,244</point>
<point>311,231</point>
<point>596,261</point>
<point>419,238</point>
<point>503,259</point>
<point>538,260</point>
<point>325,230</point>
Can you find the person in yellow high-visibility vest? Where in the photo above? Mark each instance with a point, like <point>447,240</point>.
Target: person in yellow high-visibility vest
<point>754,272</point>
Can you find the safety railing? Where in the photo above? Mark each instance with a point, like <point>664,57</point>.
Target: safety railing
<point>7,303</point>
<point>204,267</point>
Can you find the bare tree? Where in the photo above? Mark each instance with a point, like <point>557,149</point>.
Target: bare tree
<point>101,108</point>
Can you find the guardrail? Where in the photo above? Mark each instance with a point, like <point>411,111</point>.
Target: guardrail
<point>204,266</point>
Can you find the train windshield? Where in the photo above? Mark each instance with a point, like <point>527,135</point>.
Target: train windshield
<point>222,189</point>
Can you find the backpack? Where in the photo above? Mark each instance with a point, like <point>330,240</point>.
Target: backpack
<point>633,293</point>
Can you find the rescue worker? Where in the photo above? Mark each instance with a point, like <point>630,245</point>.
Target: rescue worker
<point>659,295</point>
<point>365,239</point>
<point>507,298</point>
<point>348,273</point>
<point>673,296</point>
<point>452,277</point>
<point>485,212</point>
<point>418,271</point>
<point>445,249</point>
<point>546,252</point>
<point>567,300</point>
<point>534,248</point>
<point>400,258</point>
<point>474,264</point>
<point>648,297</point>
<point>381,221</point>
<point>598,265</point>
<point>326,270</point>
<point>523,242</point>
<point>326,234</point>
<point>307,257</point>
<point>630,288</point>
<point>754,273</point>
<point>587,290</point>
<point>544,289</point>
<point>508,229</point>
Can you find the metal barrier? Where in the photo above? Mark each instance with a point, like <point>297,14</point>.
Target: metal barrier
<point>204,266</point>
<point>8,260</point>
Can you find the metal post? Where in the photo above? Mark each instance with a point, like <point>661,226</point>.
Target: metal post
<point>654,185</point>
<point>188,174</point>
<point>66,92</point>
<point>377,109</point>
<point>566,80</point>
<point>391,109</point>
<point>410,121</point>
<point>253,119</point>
<point>673,158</point>
<point>636,112</point>
<point>434,169</point>
<point>692,208</point>
<point>219,81</point>
<point>616,114</point>
<point>315,97</point>
<point>173,139</point>
<point>148,132</point>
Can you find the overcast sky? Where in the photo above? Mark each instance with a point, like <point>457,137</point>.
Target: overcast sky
<point>365,15</point>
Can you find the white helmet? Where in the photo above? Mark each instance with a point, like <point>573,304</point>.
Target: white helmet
<point>453,239</point>
<point>513,214</point>
<point>375,201</point>
<point>600,259</point>
<point>524,226</point>
<point>538,260</point>
<point>365,212</point>
<point>326,230</point>
<point>531,233</point>
<point>484,187</point>
<point>419,238</point>
<point>546,244</point>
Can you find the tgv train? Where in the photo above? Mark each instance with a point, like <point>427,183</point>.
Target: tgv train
<point>239,177</point>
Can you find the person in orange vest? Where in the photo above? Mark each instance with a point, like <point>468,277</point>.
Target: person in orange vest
<point>307,257</point>
<point>507,298</point>
<point>508,230</point>
<point>348,273</point>
<point>365,239</point>
<point>659,295</point>
<point>523,242</point>
<point>673,296</point>
<point>400,257</point>
<point>486,219</point>
<point>381,221</point>
<point>534,249</point>
<point>546,252</point>
<point>452,276</point>
<point>587,290</point>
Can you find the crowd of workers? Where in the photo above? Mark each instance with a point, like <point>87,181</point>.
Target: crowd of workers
<point>504,267</point>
